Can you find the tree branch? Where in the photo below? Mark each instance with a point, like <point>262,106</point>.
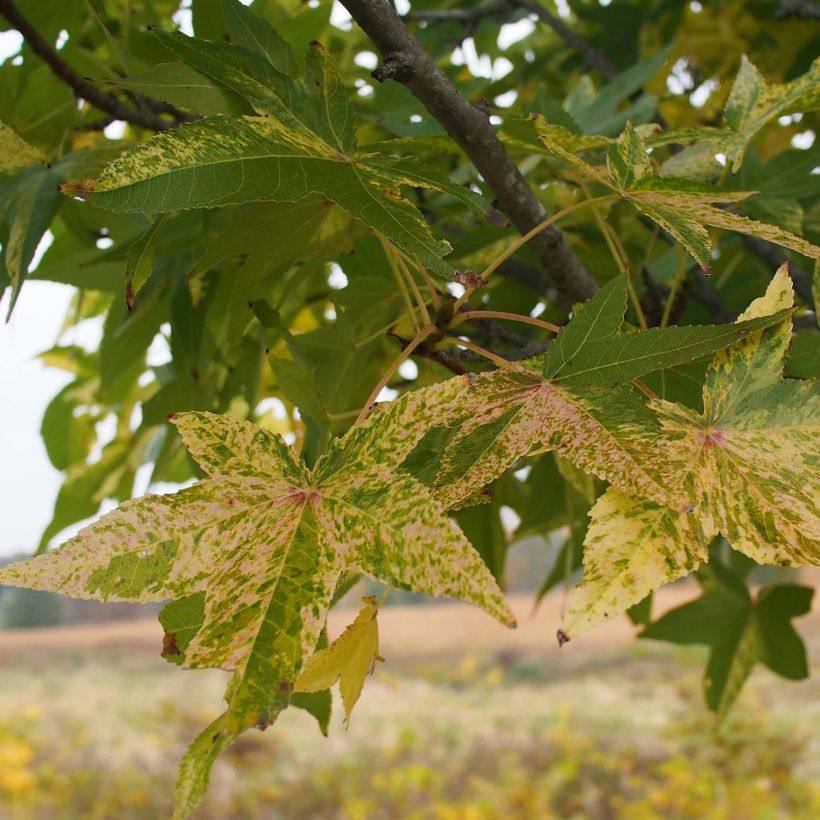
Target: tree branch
<point>592,56</point>
<point>406,61</point>
<point>82,87</point>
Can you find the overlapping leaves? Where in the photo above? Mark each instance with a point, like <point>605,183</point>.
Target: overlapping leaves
<point>302,143</point>
<point>684,208</point>
<point>575,404</point>
<point>267,540</point>
<point>748,463</point>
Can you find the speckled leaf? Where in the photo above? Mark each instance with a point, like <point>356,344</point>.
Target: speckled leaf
<point>750,460</point>
<point>303,144</point>
<point>348,660</point>
<point>632,547</point>
<point>15,152</point>
<point>267,541</point>
<point>740,630</point>
<point>573,406</point>
<point>752,103</point>
<point>684,208</point>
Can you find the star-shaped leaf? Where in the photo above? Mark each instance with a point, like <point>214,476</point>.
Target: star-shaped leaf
<point>348,660</point>
<point>267,540</point>
<point>302,143</point>
<point>684,208</point>
<point>573,406</point>
<point>749,461</point>
<point>741,630</point>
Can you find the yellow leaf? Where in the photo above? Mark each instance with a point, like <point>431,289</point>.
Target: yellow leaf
<point>349,659</point>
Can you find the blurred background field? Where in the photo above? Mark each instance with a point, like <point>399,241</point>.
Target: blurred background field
<point>464,720</point>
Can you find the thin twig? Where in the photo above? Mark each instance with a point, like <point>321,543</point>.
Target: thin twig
<point>592,56</point>
<point>467,315</point>
<point>497,360</point>
<point>81,86</point>
<point>405,61</point>
<point>397,363</point>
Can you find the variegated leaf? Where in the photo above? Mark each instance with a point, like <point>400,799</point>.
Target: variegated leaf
<point>348,660</point>
<point>574,407</point>
<point>750,460</point>
<point>632,547</point>
<point>303,144</point>
<point>15,152</point>
<point>684,208</point>
<point>267,541</point>
<point>753,102</point>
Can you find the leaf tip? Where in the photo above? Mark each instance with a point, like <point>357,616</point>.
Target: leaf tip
<point>79,189</point>
<point>495,217</point>
<point>707,271</point>
<point>562,637</point>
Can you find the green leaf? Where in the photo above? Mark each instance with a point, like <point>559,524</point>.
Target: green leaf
<point>681,207</point>
<point>139,263</point>
<point>183,86</point>
<point>749,461</point>
<point>740,631</point>
<point>303,144</point>
<point>632,548</point>
<point>348,660</point>
<point>592,350</point>
<point>15,152</point>
<point>28,203</point>
<point>271,237</point>
<point>752,103</point>
<point>267,541</point>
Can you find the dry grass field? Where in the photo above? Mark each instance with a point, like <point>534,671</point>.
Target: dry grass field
<point>466,719</point>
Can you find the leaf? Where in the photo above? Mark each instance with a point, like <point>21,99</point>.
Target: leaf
<point>267,541</point>
<point>139,263</point>
<point>181,85</point>
<point>271,237</point>
<point>573,408</point>
<point>749,461</point>
<point>348,660</point>
<point>28,203</point>
<point>15,152</point>
<point>304,144</point>
<point>681,207</point>
<point>740,631</point>
<point>752,103</point>
<point>632,548</point>
<point>592,350</point>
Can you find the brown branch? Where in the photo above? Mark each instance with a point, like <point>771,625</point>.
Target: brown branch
<point>592,56</point>
<point>470,17</point>
<point>81,86</point>
<point>405,61</point>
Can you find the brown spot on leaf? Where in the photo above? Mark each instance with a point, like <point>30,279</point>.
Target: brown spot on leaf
<point>79,189</point>
<point>468,278</point>
<point>171,416</point>
<point>170,649</point>
<point>285,686</point>
<point>129,296</point>
<point>562,637</point>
